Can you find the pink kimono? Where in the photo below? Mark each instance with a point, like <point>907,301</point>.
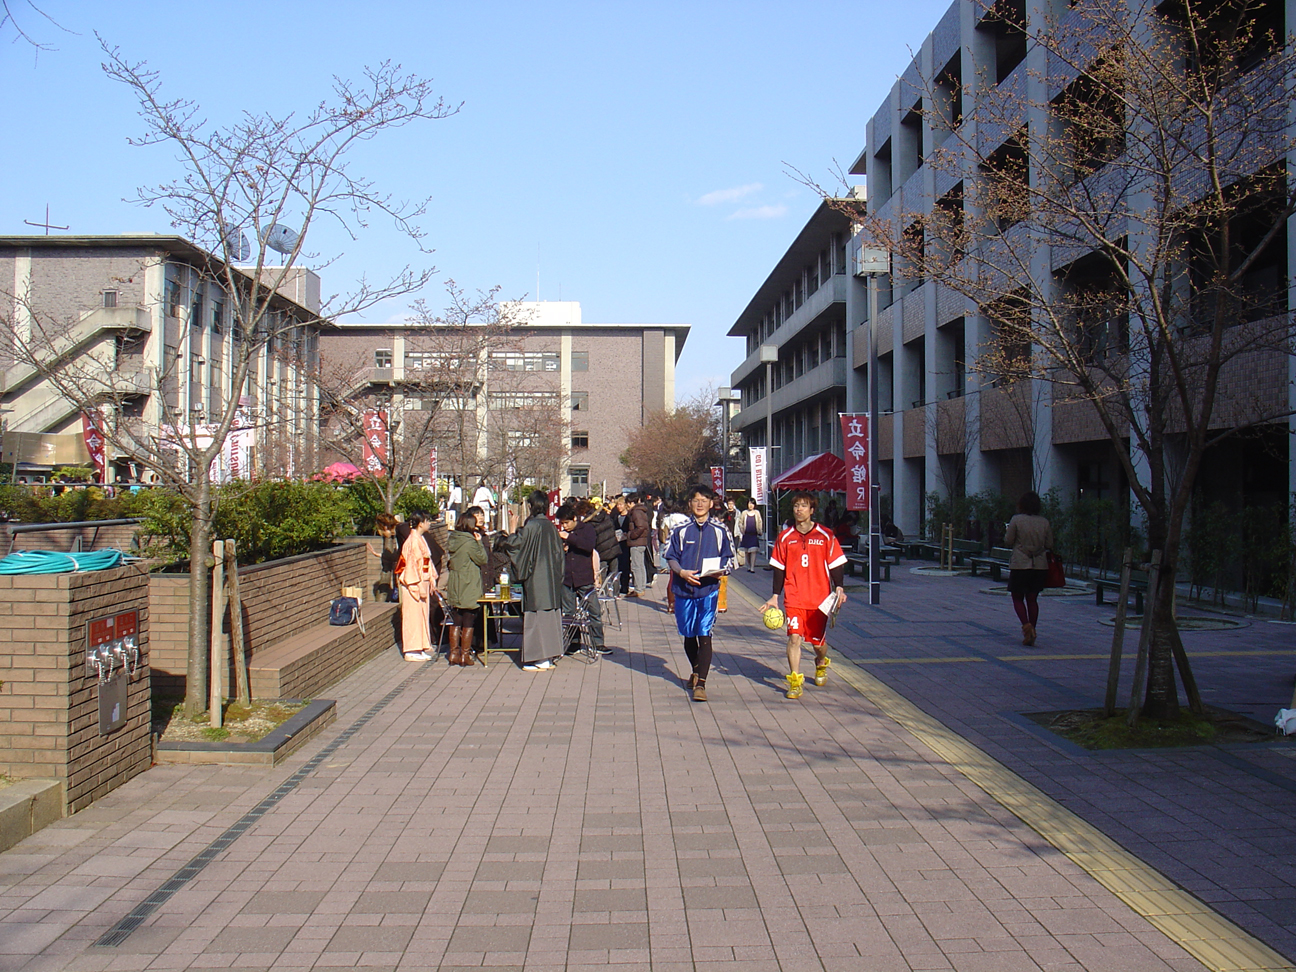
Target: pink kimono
<point>416,578</point>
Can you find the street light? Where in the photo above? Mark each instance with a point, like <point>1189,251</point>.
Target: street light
<point>769,356</point>
<point>725,398</point>
<point>872,263</point>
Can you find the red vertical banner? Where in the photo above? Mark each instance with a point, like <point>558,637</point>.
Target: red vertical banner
<point>433,468</point>
<point>855,441</point>
<point>375,441</point>
<point>555,500</point>
<point>94,443</point>
<point>718,479</point>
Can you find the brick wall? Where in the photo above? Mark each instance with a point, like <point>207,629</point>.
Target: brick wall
<point>63,538</point>
<point>49,705</point>
<point>280,599</point>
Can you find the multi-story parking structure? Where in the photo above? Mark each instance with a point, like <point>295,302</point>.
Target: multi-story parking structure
<point>798,314</point>
<point>147,311</point>
<point>545,397</point>
<point>944,427</point>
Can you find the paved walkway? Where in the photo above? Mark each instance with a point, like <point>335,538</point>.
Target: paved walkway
<point>594,816</point>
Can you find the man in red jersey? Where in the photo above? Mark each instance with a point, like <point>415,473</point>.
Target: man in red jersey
<point>809,568</point>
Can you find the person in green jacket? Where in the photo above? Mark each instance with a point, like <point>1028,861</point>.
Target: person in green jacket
<point>463,587</point>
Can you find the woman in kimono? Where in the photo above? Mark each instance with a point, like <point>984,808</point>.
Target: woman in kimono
<point>416,576</point>
<point>537,554</point>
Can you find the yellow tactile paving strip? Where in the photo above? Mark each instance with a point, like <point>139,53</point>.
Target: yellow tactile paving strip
<point>1210,938</point>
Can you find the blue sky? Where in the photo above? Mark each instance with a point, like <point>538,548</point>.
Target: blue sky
<point>633,153</point>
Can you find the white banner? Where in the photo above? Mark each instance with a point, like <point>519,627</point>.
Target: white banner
<point>760,474</point>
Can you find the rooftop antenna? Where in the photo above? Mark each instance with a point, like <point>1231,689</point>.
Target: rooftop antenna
<point>47,224</point>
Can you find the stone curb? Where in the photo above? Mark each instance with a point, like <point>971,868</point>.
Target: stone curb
<point>271,750</point>
<point>26,807</point>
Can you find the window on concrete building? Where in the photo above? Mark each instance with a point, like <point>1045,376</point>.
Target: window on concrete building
<point>580,361</point>
<point>579,440</point>
<point>579,475</point>
<point>1006,182</point>
<point>580,401</point>
<point>948,102</point>
<point>1096,305</point>
<point>525,360</point>
<point>911,142</point>
<point>1006,25</point>
<point>880,167</point>
<point>218,316</point>
<point>383,358</point>
<point>110,298</point>
<point>1249,32</point>
<point>1090,115</point>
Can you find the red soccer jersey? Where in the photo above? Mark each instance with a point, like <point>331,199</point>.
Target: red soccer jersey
<point>805,559</point>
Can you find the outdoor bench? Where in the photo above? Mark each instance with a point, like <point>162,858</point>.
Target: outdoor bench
<point>860,561</point>
<point>304,665</point>
<point>1138,584</point>
<point>996,561</point>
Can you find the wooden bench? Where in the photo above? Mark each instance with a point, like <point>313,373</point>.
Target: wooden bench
<point>861,561</point>
<point>932,549</point>
<point>304,665</point>
<point>996,561</point>
<point>1138,584</point>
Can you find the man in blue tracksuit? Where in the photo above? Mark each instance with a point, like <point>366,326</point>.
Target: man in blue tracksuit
<point>699,553</point>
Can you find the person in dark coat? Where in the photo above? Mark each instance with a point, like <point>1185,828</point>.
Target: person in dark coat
<point>605,540</point>
<point>537,554</point>
<point>578,570</point>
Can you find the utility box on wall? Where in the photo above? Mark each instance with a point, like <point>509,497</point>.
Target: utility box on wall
<point>76,701</point>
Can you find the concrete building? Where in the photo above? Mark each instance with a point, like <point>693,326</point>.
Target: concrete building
<point>551,384</point>
<point>942,428</point>
<point>143,317</point>
<point>801,311</point>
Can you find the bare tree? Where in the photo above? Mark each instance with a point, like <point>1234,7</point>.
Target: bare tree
<point>1118,213</point>
<point>273,178</point>
<point>674,449</point>
<point>438,402</point>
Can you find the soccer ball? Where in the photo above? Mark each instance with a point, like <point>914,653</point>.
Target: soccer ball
<point>773,619</point>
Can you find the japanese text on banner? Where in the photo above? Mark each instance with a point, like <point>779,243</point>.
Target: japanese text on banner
<point>718,479</point>
<point>759,474</point>
<point>375,441</point>
<point>855,441</point>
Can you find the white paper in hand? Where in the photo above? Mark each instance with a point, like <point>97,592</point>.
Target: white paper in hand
<point>710,567</point>
<point>830,604</point>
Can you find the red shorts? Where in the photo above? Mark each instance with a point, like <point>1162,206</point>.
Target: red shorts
<point>810,623</point>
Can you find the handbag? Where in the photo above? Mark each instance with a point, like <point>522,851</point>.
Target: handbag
<point>1055,574</point>
<point>344,610</point>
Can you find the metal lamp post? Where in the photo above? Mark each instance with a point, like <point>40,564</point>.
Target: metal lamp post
<point>769,356</point>
<point>873,262</point>
<point>724,399</point>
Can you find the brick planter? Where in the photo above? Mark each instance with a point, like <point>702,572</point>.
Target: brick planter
<point>49,705</point>
<point>281,598</point>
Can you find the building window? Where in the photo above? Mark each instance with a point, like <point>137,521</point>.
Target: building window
<point>580,361</point>
<point>419,359</point>
<point>525,360</point>
<point>110,298</point>
<point>580,401</point>
<point>580,440</point>
<point>173,298</point>
<point>523,400</point>
<point>579,475</point>
<point>383,358</point>
<point>218,316</point>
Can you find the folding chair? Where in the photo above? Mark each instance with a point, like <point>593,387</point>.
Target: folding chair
<point>447,619</point>
<point>576,625</point>
<point>607,594</point>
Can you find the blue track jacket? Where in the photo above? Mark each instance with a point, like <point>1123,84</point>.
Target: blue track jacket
<point>690,543</point>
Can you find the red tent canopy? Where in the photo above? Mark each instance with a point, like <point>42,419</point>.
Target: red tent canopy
<point>822,472</point>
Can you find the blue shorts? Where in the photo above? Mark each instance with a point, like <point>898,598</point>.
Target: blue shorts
<point>695,616</point>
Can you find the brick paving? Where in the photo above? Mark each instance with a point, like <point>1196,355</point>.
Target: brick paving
<point>594,816</point>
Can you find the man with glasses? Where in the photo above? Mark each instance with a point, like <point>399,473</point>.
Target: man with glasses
<point>699,554</point>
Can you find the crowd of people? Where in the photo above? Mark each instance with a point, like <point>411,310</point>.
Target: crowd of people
<point>562,562</point>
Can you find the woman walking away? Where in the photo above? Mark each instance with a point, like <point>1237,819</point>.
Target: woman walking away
<point>748,529</point>
<point>464,582</point>
<point>1031,537</point>
<point>416,576</point>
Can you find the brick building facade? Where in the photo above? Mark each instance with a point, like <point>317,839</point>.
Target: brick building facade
<point>146,321</point>
<point>566,390</point>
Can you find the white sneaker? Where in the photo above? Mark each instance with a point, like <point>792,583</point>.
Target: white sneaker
<point>417,656</point>
<point>541,666</point>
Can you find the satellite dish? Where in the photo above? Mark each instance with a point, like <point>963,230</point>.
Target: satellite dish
<point>237,247</point>
<point>279,237</point>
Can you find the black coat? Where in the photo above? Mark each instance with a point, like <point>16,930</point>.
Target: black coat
<point>605,541</point>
